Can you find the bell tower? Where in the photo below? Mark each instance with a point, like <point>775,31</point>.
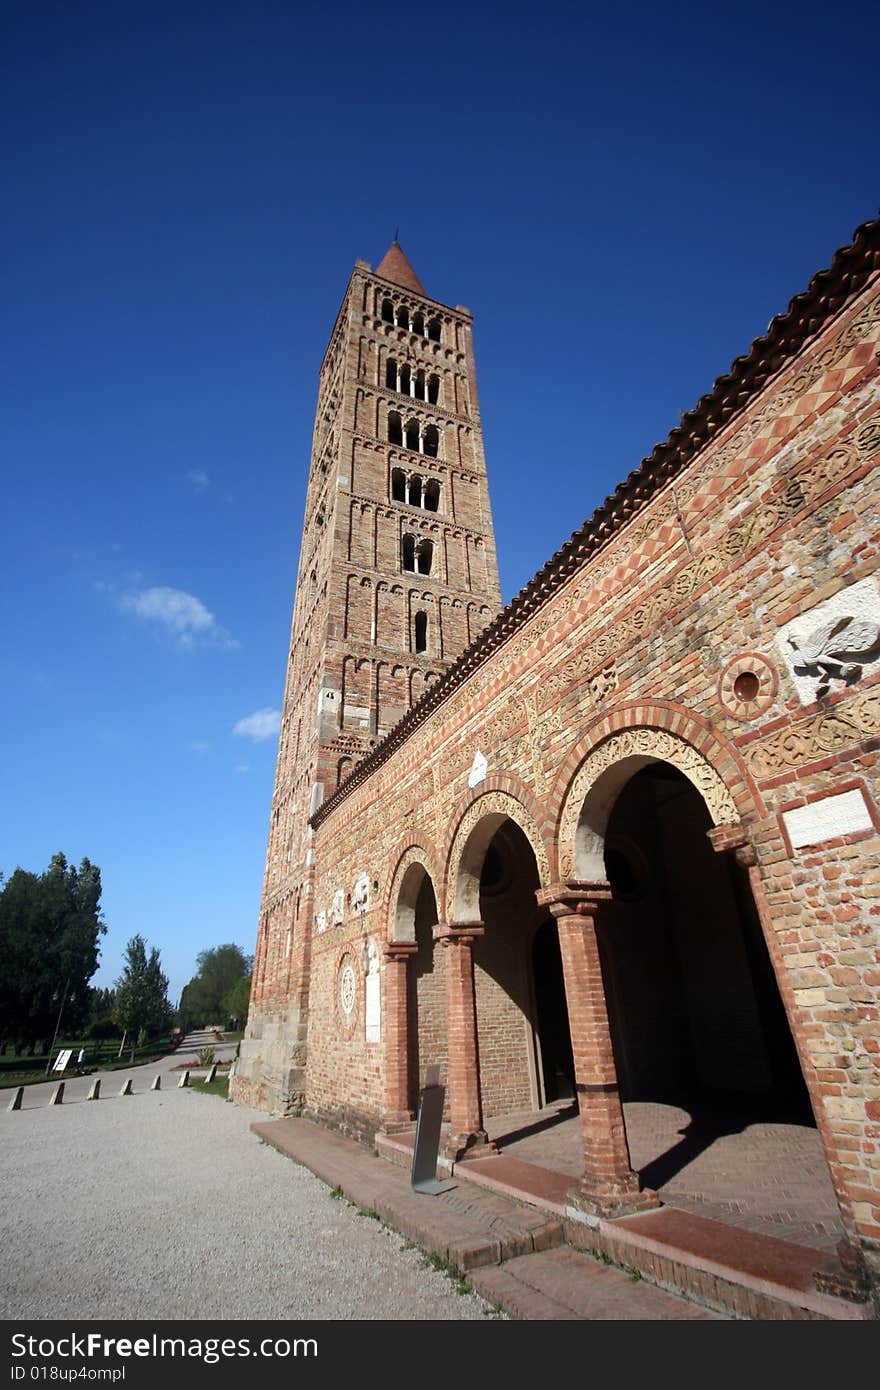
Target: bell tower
<point>397,576</point>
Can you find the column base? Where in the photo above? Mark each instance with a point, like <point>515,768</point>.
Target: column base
<point>469,1144</point>
<point>851,1279</point>
<point>395,1121</point>
<point>610,1200</point>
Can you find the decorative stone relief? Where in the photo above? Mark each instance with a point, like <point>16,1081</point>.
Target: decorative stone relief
<point>834,644</point>
<point>360,900</point>
<point>655,744</point>
<point>337,911</point>
<point>321,922</point>
<point>844,726</point>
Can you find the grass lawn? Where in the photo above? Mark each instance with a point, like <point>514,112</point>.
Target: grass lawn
<point>101,1056</point>
<point>218,1087</point>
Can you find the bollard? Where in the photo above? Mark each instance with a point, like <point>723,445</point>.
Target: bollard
<point>95,1090</point>
<point>212,1074</point>
<point>57,1097</point>
<point>126,1088</point>
<point>184,1080</point>
<point>156,1083</point>
<point>15,1103</point>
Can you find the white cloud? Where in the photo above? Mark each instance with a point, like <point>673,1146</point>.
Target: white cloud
<point>197,479</point>
<point>182,616</point>
<point>243,767</point>
<point>262,724</point>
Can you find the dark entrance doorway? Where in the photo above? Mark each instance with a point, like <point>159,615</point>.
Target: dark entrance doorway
<point>695,1010</point>
<point>554,1037</point>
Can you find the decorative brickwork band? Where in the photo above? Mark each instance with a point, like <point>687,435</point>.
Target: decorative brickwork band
<point>397,1114</point>
<point>609,1186</point>
<point>463,1077</point>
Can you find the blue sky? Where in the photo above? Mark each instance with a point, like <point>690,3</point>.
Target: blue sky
<point>623,196</point>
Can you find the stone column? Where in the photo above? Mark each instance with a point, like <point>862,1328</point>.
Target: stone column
<point>463,1078</point>
<point>396,1020</point>
<point>609,1186</point>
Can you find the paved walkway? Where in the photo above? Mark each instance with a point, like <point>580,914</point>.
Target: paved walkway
<point>754,1172</point>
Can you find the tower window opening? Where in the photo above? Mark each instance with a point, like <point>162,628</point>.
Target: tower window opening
<point>433,390</point>
<point>402,316</point>
<point>395,428</point>
<point>398,485</point>
<point>418,324</point>
<point>424,556</point>
<point>415,491</point>
<point>432,441</point>
<point>387,311</point>
<point>431,500</point>
<point>408,553</point>
<point>420,632</point>
<point>419,386</point>
<point>405,376</point>
<point>434,330</point>
<point>391,374</point>
<point>412,436</point>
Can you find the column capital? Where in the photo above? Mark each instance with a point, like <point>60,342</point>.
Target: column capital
<point>576,897</point>
<point>733,837</point>
<point>454,933</point>
<point>399,950</point>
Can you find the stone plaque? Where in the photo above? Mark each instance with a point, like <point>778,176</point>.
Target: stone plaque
<point>373,1009</point>
<point>845,814</point>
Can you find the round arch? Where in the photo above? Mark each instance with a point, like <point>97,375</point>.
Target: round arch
<point>621,743</point>
<point>476,826</point>
<point>413,863</point>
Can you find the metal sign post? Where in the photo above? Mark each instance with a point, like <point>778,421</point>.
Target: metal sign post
<point>430,1117</point>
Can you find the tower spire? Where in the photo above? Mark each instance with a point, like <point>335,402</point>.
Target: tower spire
<point>395,266</point>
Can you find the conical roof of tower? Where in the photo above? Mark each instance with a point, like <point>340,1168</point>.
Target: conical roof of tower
<point>395,266</point>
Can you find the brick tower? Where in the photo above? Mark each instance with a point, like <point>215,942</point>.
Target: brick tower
<point>397,575</point>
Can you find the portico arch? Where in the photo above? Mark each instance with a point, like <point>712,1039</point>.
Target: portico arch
<point>478,825</point>
<point>414,982</point>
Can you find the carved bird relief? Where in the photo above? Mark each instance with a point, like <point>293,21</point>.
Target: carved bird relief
<point>837,651</point>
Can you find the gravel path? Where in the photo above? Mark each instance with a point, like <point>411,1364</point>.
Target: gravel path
<point>164,1205</point>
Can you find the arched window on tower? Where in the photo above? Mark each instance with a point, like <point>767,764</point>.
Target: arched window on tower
<point>418,324</point>
<point>431,496</point>
<point>395,428</point>
<point>434,330</point>
<point>432,441</point>
<point>419,385</point>
<point>398,485</point>
<point>424,556</point>
<point>433,389</point>
<point>420,632</point>
<point>391,374</point>
<point>415,491</point>
<point>387,311</point>
<point>412,436</point>
<point>402,316</point>
<point>408,553</point>
<point>404,380</point>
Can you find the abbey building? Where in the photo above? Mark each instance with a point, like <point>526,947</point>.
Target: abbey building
<point>612,851</point>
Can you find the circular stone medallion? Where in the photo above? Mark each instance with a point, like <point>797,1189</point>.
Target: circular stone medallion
<point>747,686</point>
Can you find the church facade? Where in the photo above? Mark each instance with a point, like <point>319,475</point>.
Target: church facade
<point>618,839</point>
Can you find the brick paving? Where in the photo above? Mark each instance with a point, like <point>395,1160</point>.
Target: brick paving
<point>758,1173</point>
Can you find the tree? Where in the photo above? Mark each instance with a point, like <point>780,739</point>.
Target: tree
<point>203,1000</point>
<point>237,999</point>
<point>141,1004</point>
<point>50,926</point>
